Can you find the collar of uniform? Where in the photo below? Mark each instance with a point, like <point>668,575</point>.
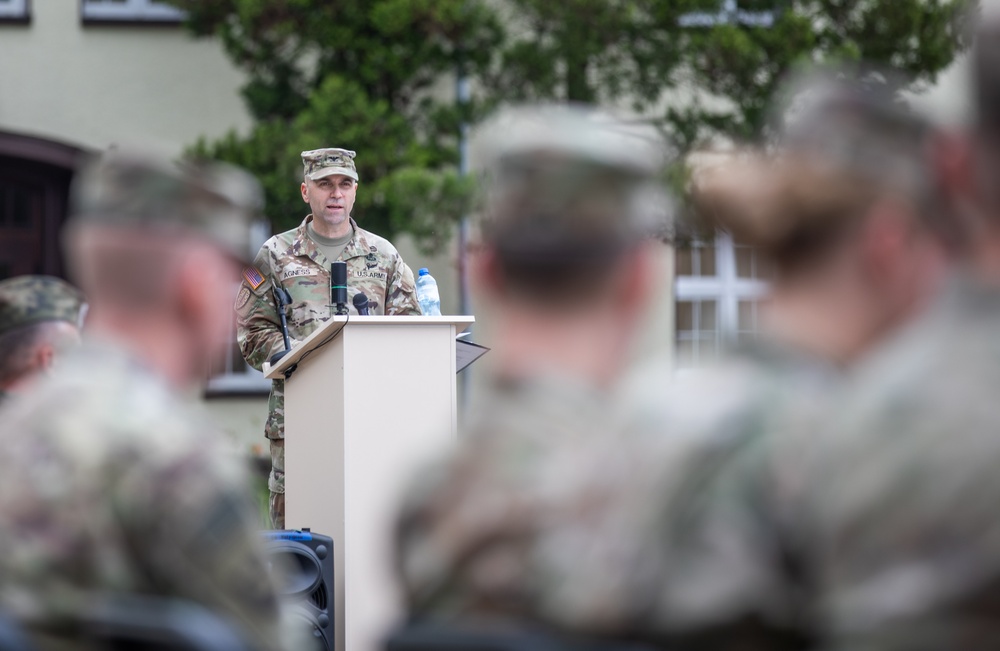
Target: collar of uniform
<point>303,244</point>
<point>359,244</point>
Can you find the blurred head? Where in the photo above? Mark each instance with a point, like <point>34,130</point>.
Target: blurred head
<point>40,316</point>
<point>161,243</point>
<point>329,186</point>
<point>842,207</point>
<point>572,201</point>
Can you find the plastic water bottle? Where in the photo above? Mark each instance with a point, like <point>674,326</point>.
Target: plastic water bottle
<point>427,293</point>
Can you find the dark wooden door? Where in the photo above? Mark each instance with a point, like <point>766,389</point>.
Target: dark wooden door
<point>32,209</point>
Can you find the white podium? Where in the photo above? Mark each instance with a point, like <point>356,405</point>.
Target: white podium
<point>369,396</point>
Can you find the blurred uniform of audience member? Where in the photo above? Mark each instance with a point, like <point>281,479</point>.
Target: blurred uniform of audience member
<point>566,269</point>
<point>842,207</point>
<point>894,501</point>
<point>114,483</point>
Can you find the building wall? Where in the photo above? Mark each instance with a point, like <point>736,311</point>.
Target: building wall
<point>92,86</point>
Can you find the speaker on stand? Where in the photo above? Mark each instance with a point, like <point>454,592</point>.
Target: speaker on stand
<point>302,563</point>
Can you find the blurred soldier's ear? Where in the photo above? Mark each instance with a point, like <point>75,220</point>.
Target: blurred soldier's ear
<point>44,356</point>
<point>885,236</point>
<point>641,274</point>
<point>951,162</point>
<point>966,169</point>
<point>305,192</point>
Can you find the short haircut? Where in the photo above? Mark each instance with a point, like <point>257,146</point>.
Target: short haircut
<point>18,346</point>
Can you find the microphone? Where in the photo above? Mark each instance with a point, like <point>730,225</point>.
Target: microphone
<point>361,303</point>
<point>284,299</point>
<point>338,286</point>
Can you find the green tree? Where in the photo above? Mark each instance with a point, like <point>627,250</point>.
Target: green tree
<point>359,73</point>
<point>355,74</point>
<point>697,81</point>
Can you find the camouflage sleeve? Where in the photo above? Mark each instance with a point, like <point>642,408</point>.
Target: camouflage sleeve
<point>401,295</point>
<point>203,543</point>
<point>258,325</point>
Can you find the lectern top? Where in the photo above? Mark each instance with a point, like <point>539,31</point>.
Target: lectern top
<point>332,328</point>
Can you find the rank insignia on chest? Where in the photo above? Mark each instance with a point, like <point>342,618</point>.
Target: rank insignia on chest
<point>253,277</point>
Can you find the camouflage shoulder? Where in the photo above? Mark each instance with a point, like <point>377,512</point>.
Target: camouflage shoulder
<point>376,243</point>
<point>255,281</point>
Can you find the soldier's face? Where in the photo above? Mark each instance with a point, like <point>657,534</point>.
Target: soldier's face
<point>331,199</point>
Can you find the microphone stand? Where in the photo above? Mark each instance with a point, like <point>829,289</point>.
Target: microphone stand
<point>284,300</point>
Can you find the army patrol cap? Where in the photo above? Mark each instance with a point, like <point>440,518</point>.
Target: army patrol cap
<point>568,180</point>
<point>318,163</point>
<point>132,188</point>
<point>26,300</point>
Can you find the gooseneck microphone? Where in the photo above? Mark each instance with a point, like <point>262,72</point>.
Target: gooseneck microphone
<point>361,303</point>
<point>338,286</point>
<point>284,299</point>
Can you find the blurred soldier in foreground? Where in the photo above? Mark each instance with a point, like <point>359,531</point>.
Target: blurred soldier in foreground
<point>40,317</point>
<point>113,482</point>
<point>299,261</point>
<point>845,212</point>
<point>566,270</point>
<point>897,502</point>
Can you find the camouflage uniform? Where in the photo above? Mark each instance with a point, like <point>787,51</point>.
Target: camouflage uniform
<point>493,534</point>
<point>547,514</point>
<point>504,530</point>
<point>894,497</point>
<point>114,484</point>
<point>124,489</point>
<point>294,261</point>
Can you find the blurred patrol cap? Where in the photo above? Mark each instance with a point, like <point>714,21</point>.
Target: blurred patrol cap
<point>138,189</point>
<point>318,163</point>
<point>842,141</point>
<point>854,121</point>
<point>26,300</point>
<point>569,180</point>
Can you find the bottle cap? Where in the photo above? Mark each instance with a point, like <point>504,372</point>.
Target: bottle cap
<point>423,272</point>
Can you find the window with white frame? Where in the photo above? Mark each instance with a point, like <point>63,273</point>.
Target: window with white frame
<point>14,10</point>
<point>717,286</point>
<point>130,10</point>
<point>234,375</point>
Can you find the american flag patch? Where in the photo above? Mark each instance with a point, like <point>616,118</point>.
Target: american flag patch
<point>253,277</point>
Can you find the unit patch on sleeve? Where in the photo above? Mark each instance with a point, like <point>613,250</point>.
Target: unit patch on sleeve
<point>242,297</point>
<point>253,277</point>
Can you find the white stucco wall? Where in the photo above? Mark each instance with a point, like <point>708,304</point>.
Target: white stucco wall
<point>92,86</point>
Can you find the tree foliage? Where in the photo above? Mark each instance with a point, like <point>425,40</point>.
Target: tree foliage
<point>360,75</point>
<point>367,75</point>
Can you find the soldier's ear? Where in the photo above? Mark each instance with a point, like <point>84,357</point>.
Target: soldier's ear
<point>952,165</point>
<point>44,356</point>
<point>639,282</point>
<point>305,192</point>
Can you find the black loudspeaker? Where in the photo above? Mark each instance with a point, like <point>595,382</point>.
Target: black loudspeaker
<point>302,562</point>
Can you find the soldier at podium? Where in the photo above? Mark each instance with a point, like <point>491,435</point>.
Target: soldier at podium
<point>299,261</point>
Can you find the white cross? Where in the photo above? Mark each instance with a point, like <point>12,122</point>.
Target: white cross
<point>728,14</point>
